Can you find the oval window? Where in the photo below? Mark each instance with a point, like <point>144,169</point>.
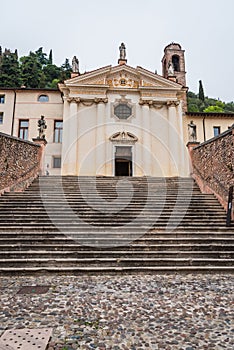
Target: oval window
<point>43,98</point>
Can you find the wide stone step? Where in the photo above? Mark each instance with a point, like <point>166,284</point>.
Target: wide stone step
<point>115,262</point>
<point>180,229</point>
<point>131,248</point>
<point>94,270</point>
<point>9,255</point>
<point>123,241</point>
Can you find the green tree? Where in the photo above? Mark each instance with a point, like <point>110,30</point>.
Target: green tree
<point>51,72</point>
<point>229,107</point>
<point>54,84</point>
<point>218,108</point>
<point>66,70</point>
<point>42,82</point>
<point>31,70</point>
<point>10,70</point>
<point>201,95</point>
<point>50,60</point>
<point>41,56</point>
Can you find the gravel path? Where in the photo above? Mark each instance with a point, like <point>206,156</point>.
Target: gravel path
<point>167,312</point>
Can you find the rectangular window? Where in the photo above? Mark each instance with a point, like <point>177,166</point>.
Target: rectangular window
<point>23,129</point>
<point>56,162</point>
<point>58,131</point>
<point>2,98</point>
<point>216,130</point>
<point>1,117</point>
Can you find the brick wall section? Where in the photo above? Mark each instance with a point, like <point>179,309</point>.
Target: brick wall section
<point>19,163</point>
<point>213,165</point>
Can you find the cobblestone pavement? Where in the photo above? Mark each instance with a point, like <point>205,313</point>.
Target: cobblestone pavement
<point>166,312</point>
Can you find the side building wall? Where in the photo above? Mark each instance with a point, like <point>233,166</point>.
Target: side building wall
<point>25,105</point>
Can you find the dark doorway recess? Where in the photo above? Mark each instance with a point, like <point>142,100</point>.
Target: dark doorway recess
<point>123,161</point>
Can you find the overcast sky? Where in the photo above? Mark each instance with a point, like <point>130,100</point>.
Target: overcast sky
<point>93,30</point>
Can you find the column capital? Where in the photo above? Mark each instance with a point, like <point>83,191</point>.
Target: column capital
<point>146,102</point>
<point>98,100</point>
<point>73,99</point>
<point>173,103</point>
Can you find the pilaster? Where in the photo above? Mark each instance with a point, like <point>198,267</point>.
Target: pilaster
<point>146,139</point>
<point>100,137</point>
<point>70,137</point>
<point>174,139</point>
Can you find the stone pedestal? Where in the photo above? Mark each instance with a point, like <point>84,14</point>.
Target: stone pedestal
<point>122,61</point>
<point>190,145</point>
<point>74,75</point>
<point>42,143</point>
<point>172,78</point>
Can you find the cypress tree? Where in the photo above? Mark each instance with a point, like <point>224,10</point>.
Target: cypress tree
<point>50,60</point>
<point>201,95</point>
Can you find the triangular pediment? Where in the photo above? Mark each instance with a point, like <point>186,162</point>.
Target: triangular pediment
<point>122,76</point>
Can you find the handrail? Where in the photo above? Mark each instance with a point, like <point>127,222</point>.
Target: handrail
<point>229,207</point>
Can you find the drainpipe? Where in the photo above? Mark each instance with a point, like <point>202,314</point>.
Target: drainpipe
<point>13,115</point>
<point>204,128</point>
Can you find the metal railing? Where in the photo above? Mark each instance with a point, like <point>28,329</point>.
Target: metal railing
<point>229,206</point>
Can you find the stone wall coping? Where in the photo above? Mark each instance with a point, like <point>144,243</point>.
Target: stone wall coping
<point>27,89</point>
<point>19,140</point>
<point>210,114</point>
<point>223,134</point>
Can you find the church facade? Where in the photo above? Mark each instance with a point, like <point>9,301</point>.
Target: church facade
<point>113,121</point>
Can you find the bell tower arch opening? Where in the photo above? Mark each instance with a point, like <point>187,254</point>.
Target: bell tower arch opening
<point>174,54</point>
<point>176,63</point>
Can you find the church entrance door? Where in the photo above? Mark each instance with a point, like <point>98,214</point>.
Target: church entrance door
<point>123,161</point>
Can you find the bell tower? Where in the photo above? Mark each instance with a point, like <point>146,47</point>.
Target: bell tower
<point>173,63</point>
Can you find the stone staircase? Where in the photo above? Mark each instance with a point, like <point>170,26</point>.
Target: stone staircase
<point>108,224</point>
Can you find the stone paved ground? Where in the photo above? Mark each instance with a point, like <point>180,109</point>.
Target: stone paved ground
<point>125,312</point>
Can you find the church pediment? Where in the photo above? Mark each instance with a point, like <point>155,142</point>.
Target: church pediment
<point>123,77</point>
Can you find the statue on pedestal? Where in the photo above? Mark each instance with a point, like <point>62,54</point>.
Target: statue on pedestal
<point>122,52</point>
<point>75,65</point>
<point>41,127</point>
<point>192,131</point>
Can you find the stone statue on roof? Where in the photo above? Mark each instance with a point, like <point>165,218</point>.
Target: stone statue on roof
<point>75,65</point>
<point>122,52</point>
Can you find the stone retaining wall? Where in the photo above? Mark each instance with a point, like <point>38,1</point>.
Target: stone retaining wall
<point>19,163</point>
<point>213,165</point>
